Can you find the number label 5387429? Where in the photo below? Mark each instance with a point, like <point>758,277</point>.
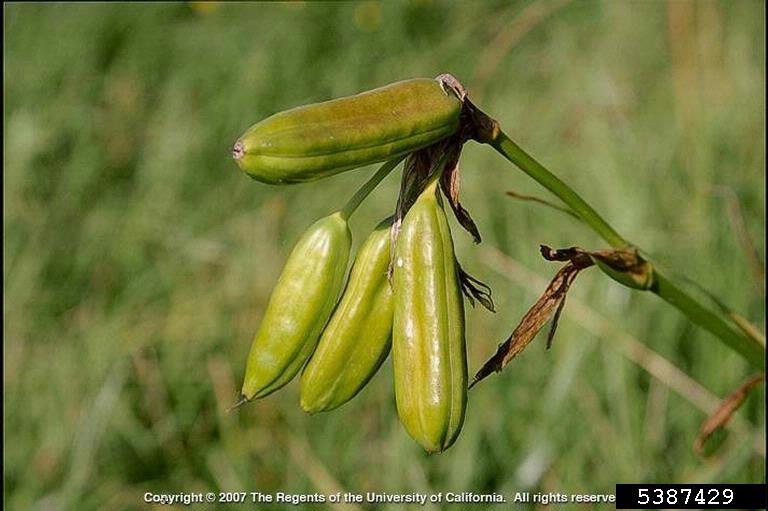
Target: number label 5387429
<point>691,496</point>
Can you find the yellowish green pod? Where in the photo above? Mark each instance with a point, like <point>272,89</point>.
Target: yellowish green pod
<point>318,140</point>
<point>299,307</point>
<point>357,338</point>
<point>428,344</point>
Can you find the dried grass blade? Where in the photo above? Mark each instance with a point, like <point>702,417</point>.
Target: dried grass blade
<point>725,411</point>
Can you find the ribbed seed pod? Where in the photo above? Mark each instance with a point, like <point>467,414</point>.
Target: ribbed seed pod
<point>428,345</point>
<point>299,306</point>
<point>358,336</point>
<point>322,139</point>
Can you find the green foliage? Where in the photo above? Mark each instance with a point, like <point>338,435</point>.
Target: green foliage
<point>138,258</point>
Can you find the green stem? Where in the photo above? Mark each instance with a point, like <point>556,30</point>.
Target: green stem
<point>537,171</point>
<point>670,293</point>
<point>368,187</point>
<point>663,287</point>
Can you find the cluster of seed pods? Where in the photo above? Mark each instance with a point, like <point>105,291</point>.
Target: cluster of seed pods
<point>403,293</point>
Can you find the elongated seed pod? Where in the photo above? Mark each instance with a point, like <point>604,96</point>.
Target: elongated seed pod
<point>318,140</point>
<point>299,306</point>
<point>358,336</point>
<point>428,346</point>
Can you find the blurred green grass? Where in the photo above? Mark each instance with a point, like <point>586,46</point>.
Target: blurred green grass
<point>138,260</point>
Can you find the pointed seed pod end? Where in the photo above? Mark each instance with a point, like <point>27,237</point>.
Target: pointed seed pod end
<point>238,151</point>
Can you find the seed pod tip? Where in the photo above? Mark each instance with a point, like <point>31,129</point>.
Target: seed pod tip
<point>241,400</point>
<point>238,151</point>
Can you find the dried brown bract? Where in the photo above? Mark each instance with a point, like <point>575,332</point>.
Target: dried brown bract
<point>550,303</point>
<point>623,265</point>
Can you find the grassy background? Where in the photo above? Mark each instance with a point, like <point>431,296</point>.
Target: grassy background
<point>138,259</point>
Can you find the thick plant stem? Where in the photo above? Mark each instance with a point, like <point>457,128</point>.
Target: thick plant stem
<point>663,287</point>
<point>368,187</point>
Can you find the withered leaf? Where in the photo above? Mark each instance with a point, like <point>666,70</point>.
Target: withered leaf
<point>621,264</point>
<point>575,255</point>
<point>555,322</point>
<point>550,302</point>
<point>725,411</point>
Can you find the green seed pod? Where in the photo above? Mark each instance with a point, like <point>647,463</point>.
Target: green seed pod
<point>299,307</point>
<point>357,338</point>
<point>428,347</point>
<point>318,140</point>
